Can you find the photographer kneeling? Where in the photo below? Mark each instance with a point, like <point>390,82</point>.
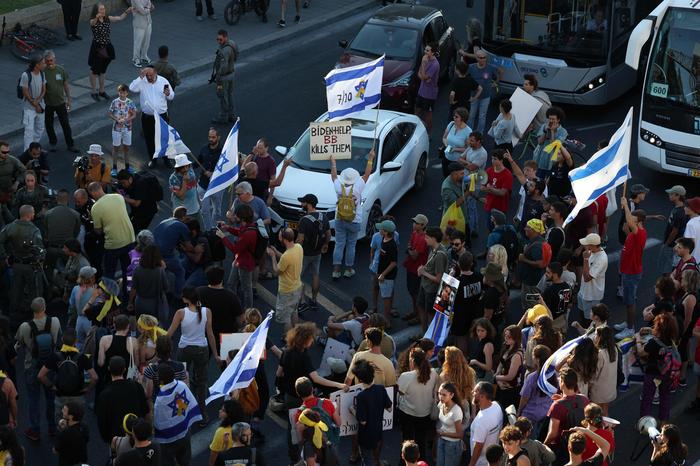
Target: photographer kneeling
<point>37,160</point>
<point>91,167</point>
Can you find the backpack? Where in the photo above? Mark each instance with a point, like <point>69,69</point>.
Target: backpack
<point>4,405</point>
<point>20,92</point>
<point>509,240</point>
<point>546,253</point>
<point>216,246</point>
<point>43,341</point>
<point>155,189</point>
<point>670,363</point>
<point>346,208</point>
<point>249,398</point>
<point>333,433</point>
<point>315,240</point>
<point>261,242</point>
<point>69,378</point>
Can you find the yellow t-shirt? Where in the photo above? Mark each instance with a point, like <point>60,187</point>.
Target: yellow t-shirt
<point>222,440</point>
<point>290,269</point>
<point>384,372</point>
<point>110,215</point>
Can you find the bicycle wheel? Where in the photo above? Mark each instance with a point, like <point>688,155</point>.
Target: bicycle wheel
<point>233,12</point>
<point>258,10</point>
<point>24,48</point>
<point>45,36</point>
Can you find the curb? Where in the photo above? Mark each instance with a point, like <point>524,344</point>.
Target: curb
<point>257,45</point>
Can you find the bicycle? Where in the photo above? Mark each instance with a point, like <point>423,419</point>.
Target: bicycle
<point>35,39</point>
<point>236,8</point>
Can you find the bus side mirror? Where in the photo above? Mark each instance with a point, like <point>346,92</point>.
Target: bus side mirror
<point>640,35</point>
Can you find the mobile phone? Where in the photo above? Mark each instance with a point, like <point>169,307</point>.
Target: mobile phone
<point>532,296</point>
<point>166,87</point>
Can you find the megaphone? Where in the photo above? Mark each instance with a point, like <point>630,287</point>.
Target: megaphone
<point>648,425</point>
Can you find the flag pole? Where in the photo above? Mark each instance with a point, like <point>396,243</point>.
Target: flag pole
<point>376,120</point>
<point>624,189</point>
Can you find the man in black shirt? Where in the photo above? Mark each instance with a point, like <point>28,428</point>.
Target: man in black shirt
<point>136,193</point>
<point>240,453</point>
<point>226,312</point>
<point>198,258</point>
<point>314,234</point>
<point>466,305</point>
<point>36,159</point>
<point>388,258</point>
<point>73,436</point>
<point>208,158</point>
<point>557,296</point>
<point>675,226</point>
<point>145,452</point>
<point>462,88</point>
<point>93,243</point>
<point>458,246</point>
<point>556,235</point>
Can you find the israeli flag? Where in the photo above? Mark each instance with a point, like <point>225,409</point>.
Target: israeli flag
<point>226,169</point>
<point>438,329</point>
<point>241,372</point>
<point>168,141</point>
<point>175,410</point>
<point>607,169</point>
<point>549,368</point>
<point>353,89</point>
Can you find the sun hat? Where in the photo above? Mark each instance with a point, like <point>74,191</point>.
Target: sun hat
<point>95,149</point>
<point>349,176</point>
<point>591,239</point>
<point>181,160</point>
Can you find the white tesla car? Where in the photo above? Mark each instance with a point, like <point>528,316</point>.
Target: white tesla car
<point>401,164</point>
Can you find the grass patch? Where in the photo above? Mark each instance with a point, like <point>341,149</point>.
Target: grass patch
<point>7,6</point>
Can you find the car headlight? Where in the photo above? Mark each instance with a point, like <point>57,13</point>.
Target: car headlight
<point>651,138</point>
<point>593,84</point>
<point>401,81</point>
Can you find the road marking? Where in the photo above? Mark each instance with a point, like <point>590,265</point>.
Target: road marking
<point>270,298</point>
<point>601,125</point>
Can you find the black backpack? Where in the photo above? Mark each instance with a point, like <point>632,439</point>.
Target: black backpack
<point>216,246</point>
<point>4,405</point>
<point>43,341</point>
<point>155,189</point>
<point>509,240</point>
<point>315,239</point>
<point>261,242</point>
<point>69,378</point>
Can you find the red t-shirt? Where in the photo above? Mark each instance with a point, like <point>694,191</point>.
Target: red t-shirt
<point>326,404</point>
<point>499,180</point>
<point>600,205</point>
<point>591,447</point>
<point>558,410</point>
<point>417,243</point>
<point>631,257</point>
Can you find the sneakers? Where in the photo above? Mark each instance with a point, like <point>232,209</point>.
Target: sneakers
<point>32,435</point>
<point>213,17</point>
<point>113,173</point>
<point>297,18</point>
<point>349,273</point>
<point>621,326</point>
<point>336,274</point>
<point>627,333</point>
<point>282,23</point>
<point>200,18</point>
<point>137,63</point>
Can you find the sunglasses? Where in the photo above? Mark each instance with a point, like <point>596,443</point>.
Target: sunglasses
<point>481,58</point>
<point>4,151</point>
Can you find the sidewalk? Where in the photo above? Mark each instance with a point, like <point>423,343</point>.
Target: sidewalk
<point>192,47</point>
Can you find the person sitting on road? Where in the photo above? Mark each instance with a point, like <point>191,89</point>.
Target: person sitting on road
<point>349,327</point>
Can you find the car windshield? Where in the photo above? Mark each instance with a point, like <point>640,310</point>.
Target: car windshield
<point>674,71</point>
<point>301,152</point>
<point>396,43</point>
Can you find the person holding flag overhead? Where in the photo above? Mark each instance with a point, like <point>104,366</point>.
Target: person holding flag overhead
<point>155,92</point>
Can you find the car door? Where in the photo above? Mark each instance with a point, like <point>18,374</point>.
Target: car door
<point>390,177</point>
<point>400,180</point>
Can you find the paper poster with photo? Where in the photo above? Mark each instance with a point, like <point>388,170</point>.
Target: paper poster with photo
<point>349,424</point>
<point>445,298</point>
<point>525,108</point>
<point>334,349</point>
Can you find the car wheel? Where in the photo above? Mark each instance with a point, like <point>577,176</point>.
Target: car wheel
<point>375,213</point>
<point>421,173</point>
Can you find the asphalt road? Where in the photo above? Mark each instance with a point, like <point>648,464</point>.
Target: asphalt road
<point>277,93</point>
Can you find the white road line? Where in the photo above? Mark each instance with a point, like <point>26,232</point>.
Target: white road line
<point>601,125</point>
<point>267,296</point>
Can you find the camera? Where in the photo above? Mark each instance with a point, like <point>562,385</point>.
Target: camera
<point>81,162</point>
<point>34,164</point>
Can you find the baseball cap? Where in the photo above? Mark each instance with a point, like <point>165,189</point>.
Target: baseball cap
<point>534,312</point>
<point>638,189</point>
<point>536,225</point>
<point>420,219</point>
<point>309,199</point>
<point>386,225</point>
<point>591,239</point>
<point>677,189</point>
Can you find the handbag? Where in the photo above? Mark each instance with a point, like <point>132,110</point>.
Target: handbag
<point>132,373</point>
<point>101,52</point>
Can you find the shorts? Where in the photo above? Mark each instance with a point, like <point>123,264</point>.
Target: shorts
<point>586,306</point>
<point>425,104</point>
<point>386,288</point>
<point>412,284</point>
<point>312,263</point>
<point>121,138</point>
<point>286,306</point>
<point>630,283</point>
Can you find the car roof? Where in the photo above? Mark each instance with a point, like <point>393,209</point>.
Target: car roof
<point>409,15</point>
<point>368,117</point>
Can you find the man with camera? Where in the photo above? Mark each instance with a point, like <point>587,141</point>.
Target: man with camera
<point>37,160</point>
<point>21,248</point>
<point>93,243</point>
<point>91,167</point>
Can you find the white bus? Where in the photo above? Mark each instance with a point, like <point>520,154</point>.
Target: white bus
<point>575,48</point>
<point>669,122</point>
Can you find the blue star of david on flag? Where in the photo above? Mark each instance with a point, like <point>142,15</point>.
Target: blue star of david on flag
<point>168,142</point>
<point>179,404</point>
<point>226,168</point>
<point>360,88</point>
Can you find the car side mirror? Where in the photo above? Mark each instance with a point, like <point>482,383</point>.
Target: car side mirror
<point>343,43</point>
<point>281,150</point>
<point>391,166</point>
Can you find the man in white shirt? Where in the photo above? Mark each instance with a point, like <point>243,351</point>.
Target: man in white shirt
<point>487,423</point>
<point>692,228</point>
<point>595,264</point>
<point>155,92</point>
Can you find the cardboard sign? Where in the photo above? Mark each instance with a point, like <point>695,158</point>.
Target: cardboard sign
<point>232,341</point>
<point>525,107</point>
<point>334,349</point>
<point>330,138</point>
<point>346,401</point>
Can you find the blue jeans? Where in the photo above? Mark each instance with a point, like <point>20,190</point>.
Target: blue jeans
<point>472,213</point>
<point>174,266</point>
<point>34,388</point>
<point>345,241</point>
<point>244,279</point>
<point>210,208</point>
<point>448,453</point>
<point>630,283</point>
<point>480,107</point>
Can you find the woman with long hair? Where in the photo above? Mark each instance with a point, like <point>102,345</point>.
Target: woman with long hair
<point>149,285</point>
<point>426,344</point>
<point>456,370</point>
<point>593,420</point>
<point>542,334</point>
<point>510,367</point>
<point>499,255</point>
<point>481,348</point>
<point>148,333</point>
<point>687,311</point>
<point>101,49</point>
<point>534,403</point>
<point>603,387</point>
<point>196,332</point>
<point>664,334</point>
<point>669,449</point>
<point>229,414</point>
<point>584,361</point>
<point>79,297</point>
<point>417,397</point>
<point>11,452</point>
<point>450,425</point>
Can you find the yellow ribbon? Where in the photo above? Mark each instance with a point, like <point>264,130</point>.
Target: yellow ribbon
<point>108,304</point>
<point>153,328</point>
<point>69,349</point>
<point>124,426</point>
<point>472,181</point>
<point>319,428</point>
<point>553,148</point>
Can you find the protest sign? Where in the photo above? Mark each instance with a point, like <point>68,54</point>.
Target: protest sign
<point>334,349</point>
<point>346,403</point>
<point>232,341</point>
<point>525,107</point>
<point>330,138</point>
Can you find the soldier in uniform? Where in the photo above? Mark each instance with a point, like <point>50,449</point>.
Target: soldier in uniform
<point>93,244</point>
<point>61,223</point>
<point>20,248</point>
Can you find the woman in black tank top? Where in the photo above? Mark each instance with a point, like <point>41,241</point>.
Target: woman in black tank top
<point>511,437</point>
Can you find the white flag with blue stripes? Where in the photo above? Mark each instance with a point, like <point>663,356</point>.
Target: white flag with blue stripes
<point>549,367</point>
<point>353,89</point>
<point>241,372</point>
<point>174,411</point>
<point>226,170</point>
<point>168,142</point>
<point>605,170</point>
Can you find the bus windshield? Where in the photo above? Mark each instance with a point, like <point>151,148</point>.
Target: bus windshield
<point>674,64</point>
<point>577,31</point>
